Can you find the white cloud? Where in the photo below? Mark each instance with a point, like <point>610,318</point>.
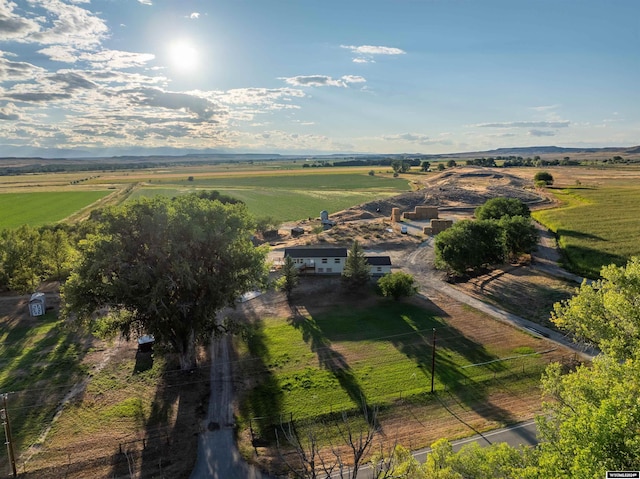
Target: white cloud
<point>117,59</point>
<point>145,2</point>
<point>353,79</point>
<point>525,124</point>
<point>13,26</point>
<point>9,113</point>
<point>13,71</point>
<point>203,108</point>
<point>194,16</point>
<point>544,108</point>
<point>374,50</point>
<point>60,53</point>
<point>69,25</point>
<point>365,53</point>
<point>323,80</point>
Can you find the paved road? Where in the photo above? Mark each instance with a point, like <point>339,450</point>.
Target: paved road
<point>522,434</point>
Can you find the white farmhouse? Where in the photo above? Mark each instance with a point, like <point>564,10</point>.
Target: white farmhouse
<point>318,260</point>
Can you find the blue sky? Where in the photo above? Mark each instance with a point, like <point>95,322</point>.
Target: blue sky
<point>301,76</point>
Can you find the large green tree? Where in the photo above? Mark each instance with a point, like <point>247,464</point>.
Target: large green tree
<point>496,208</point>
<point>606,312</point>
<point>469,245</point>
<point>21,258</point>
<point>543,177</point>
<point>592,423</point>
<point>519,235</point>
<point>356,272</point>
<point>168,266</point>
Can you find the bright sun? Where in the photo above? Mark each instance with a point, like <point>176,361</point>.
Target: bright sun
<point>183,56</point>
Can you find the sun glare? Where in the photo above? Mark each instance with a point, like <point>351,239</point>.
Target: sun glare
<point>183,56</point>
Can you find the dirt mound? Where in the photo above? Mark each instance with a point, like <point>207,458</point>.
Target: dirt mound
<point>460,188</point>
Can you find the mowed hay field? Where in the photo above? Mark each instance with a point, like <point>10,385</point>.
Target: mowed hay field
<point>597,220</point>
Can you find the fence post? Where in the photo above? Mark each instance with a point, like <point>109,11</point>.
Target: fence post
<point>7,430</point>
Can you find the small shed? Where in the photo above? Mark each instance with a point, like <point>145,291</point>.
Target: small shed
<point>37,304</point>
<point>297,231</point>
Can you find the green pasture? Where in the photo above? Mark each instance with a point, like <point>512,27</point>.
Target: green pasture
<point>595,226</point>
<point>312,182</point>
<point>318,364</point>
<point>40,360</point>
<point>283,204</point>
<point>36,209</point>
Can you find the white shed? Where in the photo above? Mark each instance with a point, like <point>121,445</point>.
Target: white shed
<point>37,304</point>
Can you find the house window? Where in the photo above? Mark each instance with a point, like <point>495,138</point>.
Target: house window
<point>329,270</point>
<point>324,260</point>
<point>336,260</point>
<point>320,270</point>
<point>379,268</point>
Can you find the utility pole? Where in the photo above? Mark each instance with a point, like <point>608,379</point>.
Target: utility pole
<point>433,360</point>
<point>4,413</point>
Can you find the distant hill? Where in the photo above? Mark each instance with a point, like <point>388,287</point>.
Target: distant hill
<point>54,160</point>
<point>548,150</point>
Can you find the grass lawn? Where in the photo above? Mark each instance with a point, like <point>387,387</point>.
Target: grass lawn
<point>39,360</point>
<point>315,365</point>
<point>596,226</point>
<point>39,208</point>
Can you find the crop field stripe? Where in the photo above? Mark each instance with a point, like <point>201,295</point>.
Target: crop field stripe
<point>36,209</point>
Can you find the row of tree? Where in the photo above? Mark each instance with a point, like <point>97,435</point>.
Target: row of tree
<point>30,255</point>
<point>503,231</point>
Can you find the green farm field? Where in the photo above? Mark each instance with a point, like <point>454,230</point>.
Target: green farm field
<point>596,226</point>
<point>286,197</point>
<point>45,207</point>
<point>282,204</point>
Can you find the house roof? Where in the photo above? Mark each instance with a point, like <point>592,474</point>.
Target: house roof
<point>315,252</point>
<point>378,260</point>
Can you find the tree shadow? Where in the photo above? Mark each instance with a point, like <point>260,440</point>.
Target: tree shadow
<point>578,234</point>
<point>328,358</point>
<point>588,262</point>
<point>55,359</point>
<point>410,329</point>
<point>263,403</point>
<point>166,439</point>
